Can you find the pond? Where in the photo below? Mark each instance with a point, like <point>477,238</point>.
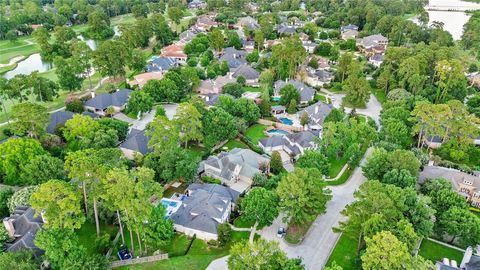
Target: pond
<point>453,21</point>
<point>35,63</point>
<point>30,64</point>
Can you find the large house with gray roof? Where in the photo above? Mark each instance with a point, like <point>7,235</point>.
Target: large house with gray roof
<point>162,64</point>
<point>316,114</point>
<point>58,119</point>
<point>250,74</point>
<point>22,226</point>
<point>204,207</point>
<point>233,57</point>
<point>307,93</point>
<point>294,145</point>
<point>235,168</point>
<point>135,144</point>
<point>117,100</point>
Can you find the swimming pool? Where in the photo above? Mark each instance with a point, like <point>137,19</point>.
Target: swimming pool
<point>171,206</point>
<point>275,98</point>
<point>286,121</point>
<point>277,132</point>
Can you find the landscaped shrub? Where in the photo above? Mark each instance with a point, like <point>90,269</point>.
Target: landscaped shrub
<point>211,180</point>
<point>21,198</point>
<point>74,105</point>
<point>224,233</point>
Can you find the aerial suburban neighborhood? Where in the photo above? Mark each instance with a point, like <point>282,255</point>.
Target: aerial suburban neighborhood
<point>240,134</point>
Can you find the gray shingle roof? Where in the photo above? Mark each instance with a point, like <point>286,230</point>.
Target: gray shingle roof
<point>136,141</point>
<point>323,76</point>
<point>205,204</point>
<point>26,226</point>
<point>103,101</point>
<point>348,27</point>
<point>307,93</point>
<point>57,119</point>
<point>373,40</point>
<point>246,71</point>
<point>161,64</point>
<point>286,29</point>
<point>317,112</point>
<point>233,57</point>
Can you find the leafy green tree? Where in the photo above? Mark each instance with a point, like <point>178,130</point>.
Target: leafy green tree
<point>473,104</point>
<point>357,90</point>
<point>42,88</point>
<point>158,230</point>
<point>99,25</point>
<point>260,207</point>
<point>289,93</point>
<point>29,118</point>
<point>259,39</point>
<point>172,163</point>
<point>163,90</point>
<point>303,195</point>
<point>70,73</point>
<point>400,178</point>
<point>313,159</point>
<point>461,224</point>
<point>175,14</point>
<point>396,132</point>
<point>111,58</point>
<point>381,161</point>
<point>21,197</point>
<point>189,123</point>
<point>162,133</point>
<point>60,205</point>
<point>242,108</point>
<point>137,60</point>
<point>435,185</point>
<point>343,64</point>
<point>5,195</point>
<point>119,126</point>
<point>276,164</point>
<point>224,232</point>
<point>292,106</point>
<point>43,168</point>
<point>287,56</point>
<point>260,254</point>
<point>235,89</point>
<point>266,78</point>
<point>19,260</point>
<point>63,250</point>
<point>323,49</point>
<point>139,102</point>
<point>16,154</point>
<point>217,117</point>
<point>445,199</point>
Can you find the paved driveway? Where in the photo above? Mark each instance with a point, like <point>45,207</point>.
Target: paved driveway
<point>320,240</point>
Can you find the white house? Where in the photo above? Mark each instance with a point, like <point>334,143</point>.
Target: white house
<point>294,145</point>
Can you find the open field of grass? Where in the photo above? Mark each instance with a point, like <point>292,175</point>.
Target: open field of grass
<point>436,252</point>
<point>336,166</point>
<point>344,252</point>
<point>24,46</point>
<point>256,133</point>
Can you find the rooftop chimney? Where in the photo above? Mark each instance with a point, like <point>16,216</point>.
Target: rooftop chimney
<point>466,257</point>
<point>8,223</point>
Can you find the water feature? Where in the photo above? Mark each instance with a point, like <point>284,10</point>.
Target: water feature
<point>90,42</point>
<point>277,132</point>
<point>30,64</point>
<point>453,21</point>
<point>286,121</point>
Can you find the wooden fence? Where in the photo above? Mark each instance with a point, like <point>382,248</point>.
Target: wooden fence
<point>153,258</point>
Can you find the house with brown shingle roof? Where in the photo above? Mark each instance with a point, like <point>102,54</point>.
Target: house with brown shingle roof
<point>175,51</point>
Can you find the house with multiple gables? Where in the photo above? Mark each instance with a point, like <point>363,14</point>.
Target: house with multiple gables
<point>100,103</point>
<point>307,93</point>
<point>294,144</point>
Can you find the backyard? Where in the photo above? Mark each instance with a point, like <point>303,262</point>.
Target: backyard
<point>256,133</point>
<point>344,252</point>
<point>436,252</point>
<point>87,235</point>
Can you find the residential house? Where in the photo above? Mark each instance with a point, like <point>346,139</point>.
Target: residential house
<point>376,59</point>
<point>285,29</point>
<point>373,44</point>
<point>198,4</point>
<point>470,261</point>
<point>233,57</point>
<point>247,22</point>
<point>294,145</point>
<point>465,184</point>
<point>187,36</point>
<point>141,79</point>
<point>135,144</point>
<point>59,118</point>
<point>350,34</point>
<point>323,63</point>
<point>249,73</point>
<point>304,37</point>
<point>270,43</point>
<point>249,46</point>
<point>318,77</point>
<point>235,168</point>
<point>204,23</point>
<point>162,64</point>
<point>278,109</point>
<point>474,79</point>
<point>22,226</point>
<point>175,51</point>
<point>348,28</point>
<point>204,207</point>
<point>433,142</point>
<point>307,93</point>
<point>255,96</point>
<point>214,86</point>
<point>117,100</point>
<point>309,46</point>
<point>210,99</point>
<point>316,113</point>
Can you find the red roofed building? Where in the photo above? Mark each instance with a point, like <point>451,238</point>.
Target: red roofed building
<point>175,51</point>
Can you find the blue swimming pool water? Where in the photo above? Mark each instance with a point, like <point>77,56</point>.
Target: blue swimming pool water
<point>277,132</point>
<point>286,121</point>
<point>169,203</point>
<point>275,98</point>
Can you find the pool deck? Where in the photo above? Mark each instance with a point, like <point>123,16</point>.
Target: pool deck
<point>293,117</point>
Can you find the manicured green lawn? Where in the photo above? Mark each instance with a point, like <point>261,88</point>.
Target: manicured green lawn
<point>336,166</point>
<point>7,68</point>
<point>380,95</point>
<point>20,47</point>
<point>344,253</point>
<point>256,133</point>
<point>252,89</point>
<point>241,223</point>
<point>342,179</point>
<point>235,144</point>
<point>88,233</point>
<point>436,252</point>
<point>177,247</point>
<point>196,151</point>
